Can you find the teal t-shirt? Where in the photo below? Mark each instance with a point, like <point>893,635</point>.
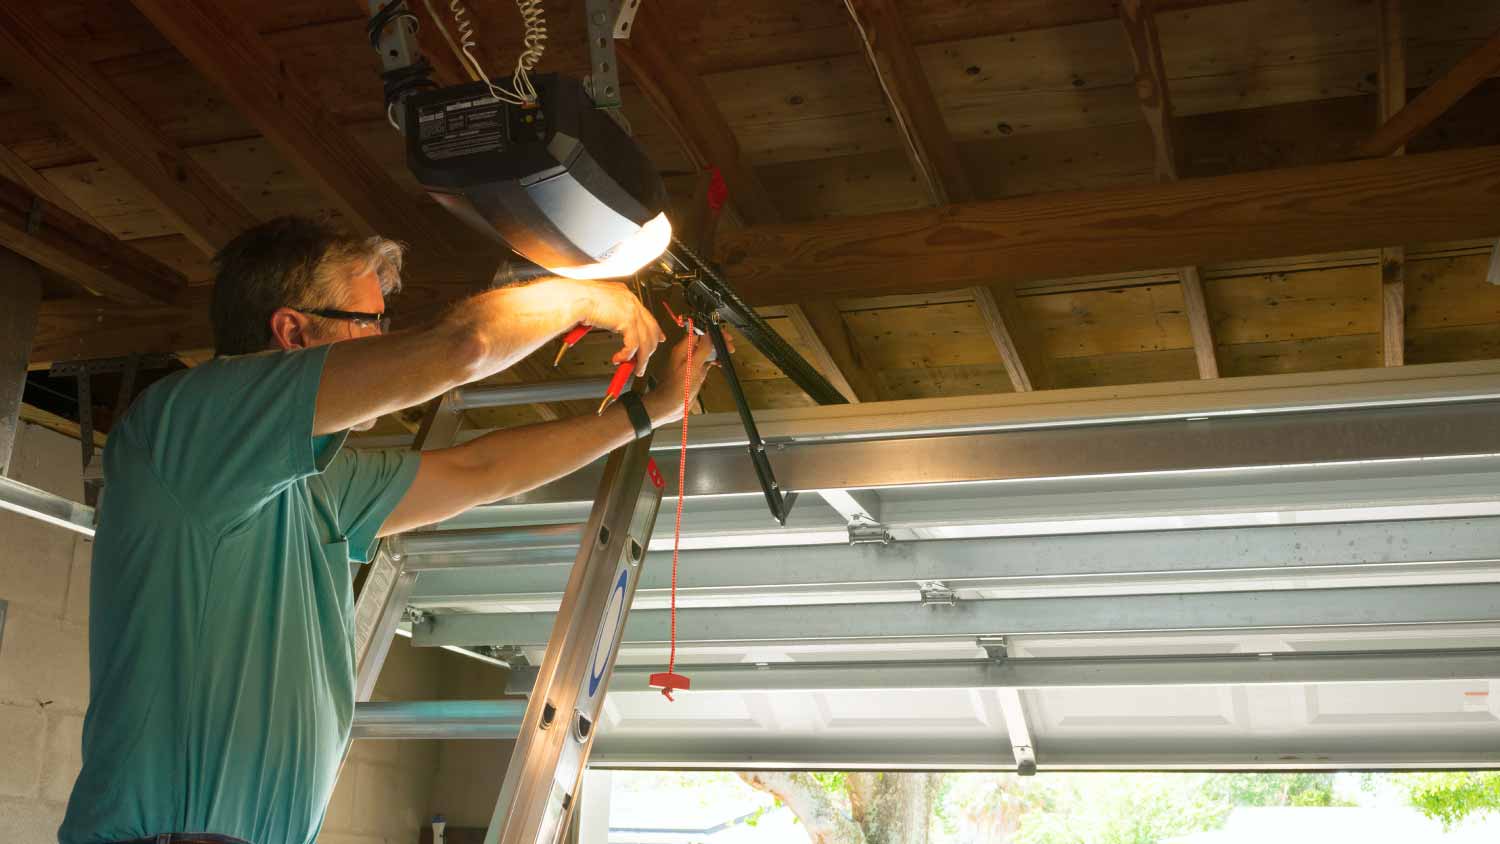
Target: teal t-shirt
<point>221,611</point>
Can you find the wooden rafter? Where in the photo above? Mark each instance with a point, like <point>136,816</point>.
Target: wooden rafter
<point>821,325</point>
<point>114,130</point>
<point>680,97</point>
<point>888,47</point>
<point>74,249</point>
<point>1392,99</point>
<point>989,303</point>
<point>1417,115</point>
<point>683,101</point>
<point>92,327</point>
<point>14,168</point>
<point>1296,211</point>
<point>238,60</point>
<point>1139,20</point>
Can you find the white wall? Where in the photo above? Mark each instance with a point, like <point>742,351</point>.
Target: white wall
<point>382,796</point>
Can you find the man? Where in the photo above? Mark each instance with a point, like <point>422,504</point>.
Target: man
<point>220,640</point>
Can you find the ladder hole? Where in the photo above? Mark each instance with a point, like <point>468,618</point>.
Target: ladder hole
<point>549,714</point>
<point>635,550</point>
<point>582,726</point>
<point>603,536</point>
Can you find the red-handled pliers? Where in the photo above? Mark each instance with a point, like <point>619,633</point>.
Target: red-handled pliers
<point>622,372</point>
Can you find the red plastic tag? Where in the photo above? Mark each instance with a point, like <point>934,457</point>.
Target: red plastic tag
<point>718,192</point>
<point>654,474</point>
<point>668,681</point>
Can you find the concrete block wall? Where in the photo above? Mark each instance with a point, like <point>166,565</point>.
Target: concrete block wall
<point>384,792</point>
<point>44,578</point>
<point>383,795</point>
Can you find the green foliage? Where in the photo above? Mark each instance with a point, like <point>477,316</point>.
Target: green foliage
<point>1122,809</point>
<point>1300,789</point>
<point>833,782</point>
<point>1452,796</point>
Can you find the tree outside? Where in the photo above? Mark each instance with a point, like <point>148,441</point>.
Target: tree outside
<point>1094,808</point>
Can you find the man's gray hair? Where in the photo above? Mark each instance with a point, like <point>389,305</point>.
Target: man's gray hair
<point>291,262</point>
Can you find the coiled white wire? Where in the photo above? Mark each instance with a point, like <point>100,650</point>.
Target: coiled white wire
<point>533,15</point>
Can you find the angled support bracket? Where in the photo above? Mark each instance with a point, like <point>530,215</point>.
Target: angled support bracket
<point>1013,709</point>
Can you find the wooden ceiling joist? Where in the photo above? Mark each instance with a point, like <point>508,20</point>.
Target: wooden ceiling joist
<point>1392,99</point>
<point>74,249</point>
<point>114,130</point>
<point>239,61</point>
<point>888,47</point>
<point>989,303</point>
<point>679,96</point>
<point>682,100</point>
<point>15,168</point>
<point>1139,20</point>
<point>1417,115</point>
<point>1439,196</point>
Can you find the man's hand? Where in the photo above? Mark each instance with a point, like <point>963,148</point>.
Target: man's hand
<point>513,460</point>
<point>613,306</point>
<point>665,402</point>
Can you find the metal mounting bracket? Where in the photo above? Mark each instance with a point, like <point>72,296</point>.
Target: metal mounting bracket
<point>869,534</point>
<point>935,593</point>
<point>606,20</point>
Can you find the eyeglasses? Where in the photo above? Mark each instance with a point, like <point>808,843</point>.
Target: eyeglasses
<point>363,319</point>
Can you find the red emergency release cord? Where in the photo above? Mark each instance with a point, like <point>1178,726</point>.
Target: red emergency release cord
<point>669,680</point>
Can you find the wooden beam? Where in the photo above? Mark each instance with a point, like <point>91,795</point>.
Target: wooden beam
<point>1195,304</point>
<point>114,130</point>
<point>1139,20</point>
<point>677,93</point>
<point>1393,305</point>
<point>682,100</point>
<point>14,168</point>
<point>83,328</point>
<point>821,325</point>
<point>1296,211</point>
<point>238,60</point>
<point>74,249</point>
<point>1010,352</point>
<point>1402,126</point>
<point>1392,99</point>
<point>888,47</point>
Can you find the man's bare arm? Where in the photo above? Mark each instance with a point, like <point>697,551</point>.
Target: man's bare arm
<point>369,377</point>
<point>515,460</point>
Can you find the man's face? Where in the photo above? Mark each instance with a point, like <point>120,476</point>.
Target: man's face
<point>367,299</point>
<point>294,329</point>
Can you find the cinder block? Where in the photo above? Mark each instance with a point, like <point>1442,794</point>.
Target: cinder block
<point>419,758</point>
<point>76,609</point>
<point>35,559</point>
<point>376,789</point>
<point>43,659</point>
<point>48,460</point>
<point>340,814</point>
<point>23,730</point>
<point>64,756</point>
<point>29,821</point>
<point>378,751</point>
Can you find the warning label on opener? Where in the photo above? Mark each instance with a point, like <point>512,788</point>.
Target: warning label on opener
<point>462,127</point>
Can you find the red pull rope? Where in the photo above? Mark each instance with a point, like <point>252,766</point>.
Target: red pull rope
<point>687,402</point>
<point>670,679</point>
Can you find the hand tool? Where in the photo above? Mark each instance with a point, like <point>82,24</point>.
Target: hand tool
<point>623,371</point>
